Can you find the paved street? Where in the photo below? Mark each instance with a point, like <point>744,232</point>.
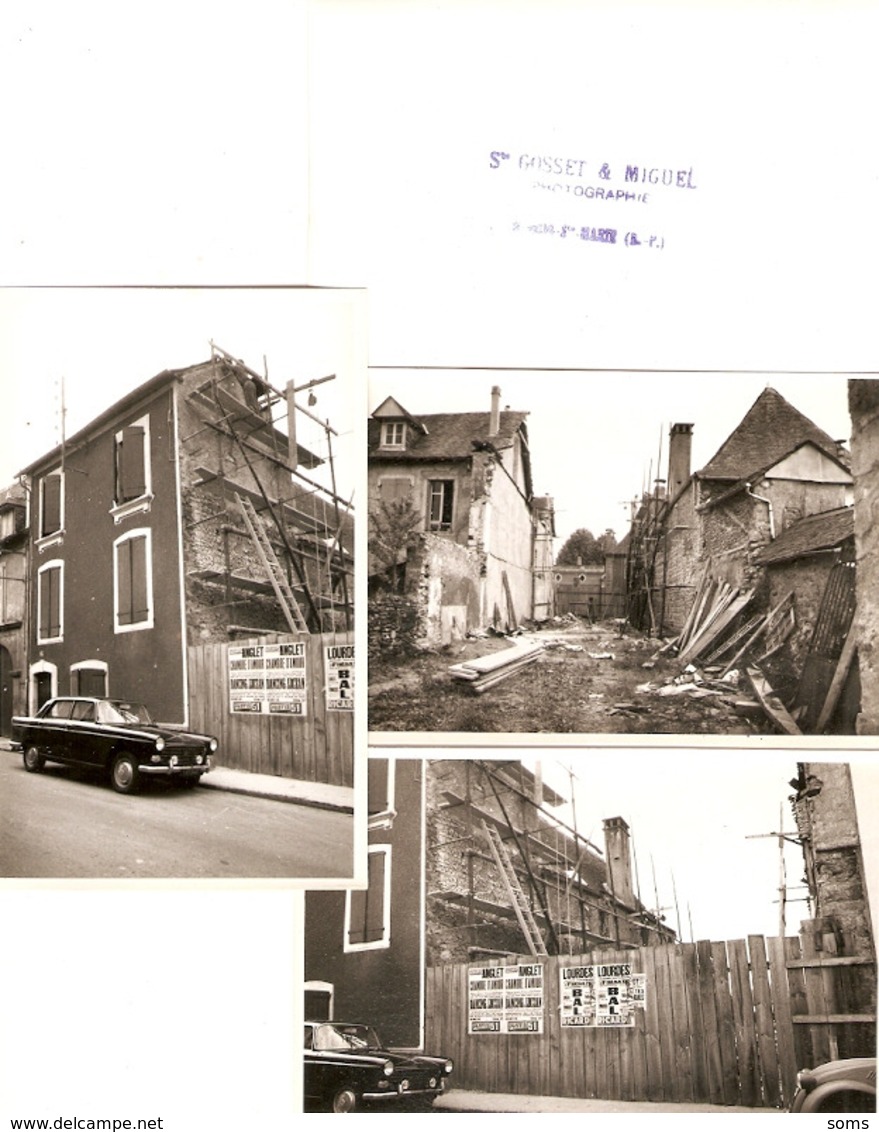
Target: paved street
<point>62,823</point>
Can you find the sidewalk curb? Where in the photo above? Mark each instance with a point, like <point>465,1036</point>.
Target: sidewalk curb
<point>275,796</point>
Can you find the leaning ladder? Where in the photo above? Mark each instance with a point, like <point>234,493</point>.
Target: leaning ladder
<point>520,902</point>
<point>268,557</point>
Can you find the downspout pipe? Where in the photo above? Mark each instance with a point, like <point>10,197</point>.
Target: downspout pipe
<point>768,502</point>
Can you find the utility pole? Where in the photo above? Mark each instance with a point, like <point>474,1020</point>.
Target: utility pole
<point>794,839</point>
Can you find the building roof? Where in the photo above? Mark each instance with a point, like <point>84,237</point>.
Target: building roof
<point>824,531</point>
<point>770,430</point>
<point>448,436</point>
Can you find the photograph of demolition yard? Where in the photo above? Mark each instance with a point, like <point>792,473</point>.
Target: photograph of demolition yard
<point>642,553</point>
<point>574,938</point>
<point>187,545</point>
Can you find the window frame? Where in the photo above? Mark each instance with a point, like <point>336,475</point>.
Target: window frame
<point>54,564</point>
<point>122,508</point>
<point>440,526</point>
<point>351,895</point>
<point>45,539</point>
<point>393,435</point>
<point>148,622</point>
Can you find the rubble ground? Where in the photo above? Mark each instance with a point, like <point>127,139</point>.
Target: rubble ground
<point>590,678</point>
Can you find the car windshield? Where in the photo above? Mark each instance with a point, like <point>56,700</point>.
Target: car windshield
<point>122,711</point>
<point>333,1035</point>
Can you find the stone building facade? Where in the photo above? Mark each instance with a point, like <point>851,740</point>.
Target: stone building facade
<point>864,409</point>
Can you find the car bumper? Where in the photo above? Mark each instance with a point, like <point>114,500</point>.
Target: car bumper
<point>151,768</point>
<point>399,1093</point>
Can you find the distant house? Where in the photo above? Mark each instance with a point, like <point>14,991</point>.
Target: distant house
<point>436,894</point>
<point>473,545</point>
<point>775,469</point>
<point>179,518</point>
<point>13,605</point>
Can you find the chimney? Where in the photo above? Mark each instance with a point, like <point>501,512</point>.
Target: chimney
<point>495,419</point>
<point>680,443</point>
<point>619,859</point>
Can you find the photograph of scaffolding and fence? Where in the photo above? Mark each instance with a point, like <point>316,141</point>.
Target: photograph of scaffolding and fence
<point>621,552</point>
<point>180,469</point>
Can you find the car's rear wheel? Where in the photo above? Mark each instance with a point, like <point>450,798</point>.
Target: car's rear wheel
<point>125,776</point>
<point>345,1100</point>
<point>33,760</point>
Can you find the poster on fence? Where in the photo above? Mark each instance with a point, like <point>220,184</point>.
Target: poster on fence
<point>268,679</point>
<point>506,999</point>
<point>601,995</point>
<point>339,677</point>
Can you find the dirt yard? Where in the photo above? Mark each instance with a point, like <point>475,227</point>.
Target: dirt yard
<point>588,679</point>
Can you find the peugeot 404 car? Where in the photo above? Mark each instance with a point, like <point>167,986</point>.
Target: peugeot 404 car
<point>116,736</point>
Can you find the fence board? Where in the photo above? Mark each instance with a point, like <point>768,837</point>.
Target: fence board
<point>743,1017</point>
<point>764,1020</point>
<point>717,1028</point>
<point>782,1002</point>
<point>318,747</point>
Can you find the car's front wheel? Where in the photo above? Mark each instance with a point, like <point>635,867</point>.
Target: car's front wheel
<point>345,1100</point>
<point>33,760</point>
<point>124,775</point>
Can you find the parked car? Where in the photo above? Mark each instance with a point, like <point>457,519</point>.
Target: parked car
<point>346,1064</point>
<point>837,1086</point>
<point>117,736</point>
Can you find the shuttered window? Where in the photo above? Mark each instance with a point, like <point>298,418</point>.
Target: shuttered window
<point>368,911</point>
<point>131,472</point>
<point>50,601</point>
<point>50,513</point>
<point>133,581</point>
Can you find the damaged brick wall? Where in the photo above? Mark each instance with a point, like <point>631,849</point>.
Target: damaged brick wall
<point>864,409</point>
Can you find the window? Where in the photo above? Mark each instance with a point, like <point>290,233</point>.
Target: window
<point>393,434</point>
<point>51,504</point>
<point>132,479</point>
<point>440,503</point>
<point>368,913</point>
<point>88,678</point>
<point>395,489</point>
<point>7,523</point>
<point>133,581</point>
<point>50,602</point>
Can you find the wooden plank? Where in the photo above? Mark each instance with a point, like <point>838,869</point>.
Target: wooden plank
<point>682,1022</point>
<point>698,1062</point>
<point>750,1089</point>
<point>839,677</point>
<point>709,1018</point>
<point>832,1019</point>
<point>770,702</point>
<point>638,1042</point>
<point>781,1008</point>
<point>729,1085</point>
<point>671,1084</point>
<point>719,625</point>
<point>832,961</point>
<point>816,1003</point>
<point>652,1043</point>
<point>796,986</point>
<point>765,1024</point>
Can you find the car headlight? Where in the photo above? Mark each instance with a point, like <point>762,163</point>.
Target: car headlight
<point>213,745</point>
<point>160,743</point>
<point>388,1068</point>
<point>449,1066</point>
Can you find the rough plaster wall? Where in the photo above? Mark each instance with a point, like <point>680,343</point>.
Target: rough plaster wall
<point>864,408</point>
<point>507,541</point>
<point>807,577</point>
<point>421,474</point>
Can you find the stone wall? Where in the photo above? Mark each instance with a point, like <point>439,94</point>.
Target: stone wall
<point>864,409</point>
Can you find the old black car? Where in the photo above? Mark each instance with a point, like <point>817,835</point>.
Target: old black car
<point>117,736</point>
<point>848,1085</point>
<point>346,1064</point>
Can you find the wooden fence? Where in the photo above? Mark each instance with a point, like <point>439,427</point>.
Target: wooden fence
<point>317,746</point>
<point>723,1023</point>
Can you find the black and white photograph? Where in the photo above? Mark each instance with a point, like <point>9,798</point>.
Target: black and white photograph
<point>177,580</point>
<point>635,553</point>
<point>438,567</point>
<point>543,932</point>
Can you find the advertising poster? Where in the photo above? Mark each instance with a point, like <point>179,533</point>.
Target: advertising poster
<point>268,679</point>
<point>601,995</point>
<point>339,677</point>
<point>506,999</point>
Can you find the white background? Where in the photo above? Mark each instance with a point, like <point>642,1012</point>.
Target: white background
<point>348,143</point>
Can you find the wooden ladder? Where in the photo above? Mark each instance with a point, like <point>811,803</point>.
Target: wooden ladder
<point>272,566</point>
<point>518,899</point>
